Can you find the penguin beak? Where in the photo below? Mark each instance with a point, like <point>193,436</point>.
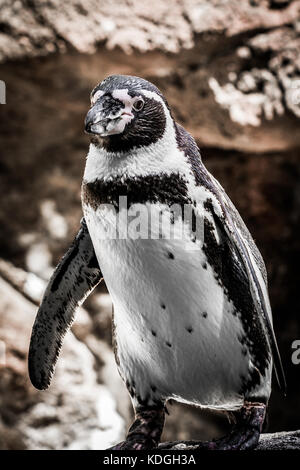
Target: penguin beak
<point>107,118</point>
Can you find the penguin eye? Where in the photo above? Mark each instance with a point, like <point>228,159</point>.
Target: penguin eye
<point>138,104</point>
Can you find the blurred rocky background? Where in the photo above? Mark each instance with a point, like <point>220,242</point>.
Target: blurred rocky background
<point>231,72</point>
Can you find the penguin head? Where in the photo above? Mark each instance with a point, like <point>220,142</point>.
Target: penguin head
<point>126,112</point>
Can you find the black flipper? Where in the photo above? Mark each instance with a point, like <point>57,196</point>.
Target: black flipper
<point>72,281</point>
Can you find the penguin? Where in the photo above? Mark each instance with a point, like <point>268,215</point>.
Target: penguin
<point>192,319</point>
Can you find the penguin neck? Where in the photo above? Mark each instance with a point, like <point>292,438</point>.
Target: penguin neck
<point>161,157</point>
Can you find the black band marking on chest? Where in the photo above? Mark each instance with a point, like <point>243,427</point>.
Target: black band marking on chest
<point>165,189</point>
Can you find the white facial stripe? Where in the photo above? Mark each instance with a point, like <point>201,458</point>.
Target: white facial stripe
<point>96,96</point>
<point>126,99</point>
<point>123,96</point>
<point>153,95</point>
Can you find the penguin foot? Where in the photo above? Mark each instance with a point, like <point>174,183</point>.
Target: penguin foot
<point>246,431</point>
<point>145,432</point>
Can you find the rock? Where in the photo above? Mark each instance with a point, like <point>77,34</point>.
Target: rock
<point>280,441</point>
<point>276,441</point>
<point>49,420</point>
<point>44,28</point>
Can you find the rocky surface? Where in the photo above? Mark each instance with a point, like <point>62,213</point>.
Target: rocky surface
<point>230,71</point>
<point>275,441</point>
<point>39,28</point>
